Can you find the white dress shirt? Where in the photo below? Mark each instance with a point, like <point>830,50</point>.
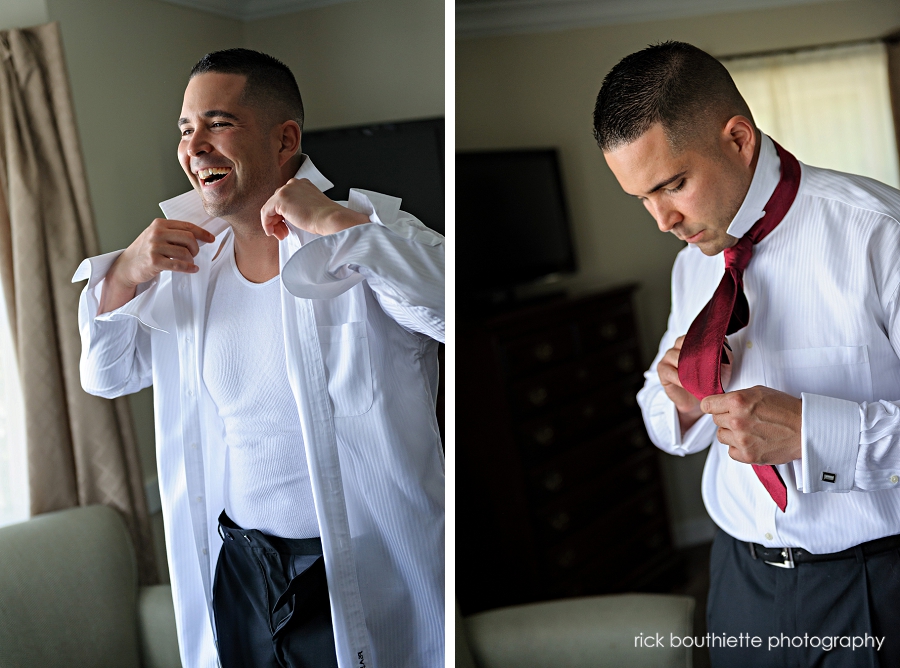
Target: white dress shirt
<point>823,295</point>
<point>361,310</point>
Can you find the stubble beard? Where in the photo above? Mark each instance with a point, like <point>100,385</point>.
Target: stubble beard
<point>241,208</point>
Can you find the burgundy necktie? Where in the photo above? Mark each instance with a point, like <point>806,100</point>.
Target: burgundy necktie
<point>702,350</point>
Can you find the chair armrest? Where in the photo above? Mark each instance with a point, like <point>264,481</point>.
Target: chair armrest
<point>593,632</point>
<point>159,638</point>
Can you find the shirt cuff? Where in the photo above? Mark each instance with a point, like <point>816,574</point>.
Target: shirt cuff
<point>829,438</point>
<point>140,308</point>
<point>384,210</point>
<point>94,269</point>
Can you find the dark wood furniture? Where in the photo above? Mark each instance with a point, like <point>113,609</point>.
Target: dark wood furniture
<point>558,488</point>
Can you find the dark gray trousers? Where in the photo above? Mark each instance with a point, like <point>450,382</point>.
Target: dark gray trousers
<point>803,606</point>
<point>270,601</point>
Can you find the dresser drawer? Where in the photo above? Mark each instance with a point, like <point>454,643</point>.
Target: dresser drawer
<point>640,560</point>
<point>534,353</point>
<point>559,429</point>
<point>587,462</point>
<point>600,491</point>
<point>607,328</point>
<point>589,373</point>
<point>610,550</point>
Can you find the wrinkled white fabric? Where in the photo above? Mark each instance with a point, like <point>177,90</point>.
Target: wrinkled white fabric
<point>362,365</point>
<point>823,295</point>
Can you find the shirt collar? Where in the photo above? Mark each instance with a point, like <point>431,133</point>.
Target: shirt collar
<point>189,207</point>
<point>765,179</point>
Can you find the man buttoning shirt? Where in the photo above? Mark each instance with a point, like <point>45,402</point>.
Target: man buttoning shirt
<point>292,345</point>
<point>800,267</point>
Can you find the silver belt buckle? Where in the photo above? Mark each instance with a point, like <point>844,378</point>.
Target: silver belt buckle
<point>788,562</point>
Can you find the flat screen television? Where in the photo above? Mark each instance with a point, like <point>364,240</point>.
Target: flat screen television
<point>512,222</point>
<point>403,159</point>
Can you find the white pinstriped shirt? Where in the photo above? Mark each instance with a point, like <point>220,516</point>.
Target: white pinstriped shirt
<point>824,326</point>
<point>361,310</point>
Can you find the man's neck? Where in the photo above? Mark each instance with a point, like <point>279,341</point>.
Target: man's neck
<point>256,254</point>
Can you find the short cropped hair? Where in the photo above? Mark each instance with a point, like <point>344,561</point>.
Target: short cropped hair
<point>672,83</point>
<point>270,83</point>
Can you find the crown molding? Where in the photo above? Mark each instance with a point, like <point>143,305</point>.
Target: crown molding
<point>484,18</point>
<point>251,10</point>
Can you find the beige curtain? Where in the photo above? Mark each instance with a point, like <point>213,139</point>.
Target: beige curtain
<point>893,56</point>
<point>81,449</point>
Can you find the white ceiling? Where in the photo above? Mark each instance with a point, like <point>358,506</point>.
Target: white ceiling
<point>479,18</point>
<point>250,10</point>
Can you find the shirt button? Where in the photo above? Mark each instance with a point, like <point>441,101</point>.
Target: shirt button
<point>188,339</point>
<point>768,536</point>
<point>205,551</point>
<point>749,344</point>
<point>193,446</point>
<point>190,393</point>
<point>199,499</point>
<point>894,479</point>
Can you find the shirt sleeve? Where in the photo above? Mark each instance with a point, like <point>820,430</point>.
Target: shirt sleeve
<point>660,414</point>
<point>115,346</point>
<point>400,258</point>
<point>848,446</point>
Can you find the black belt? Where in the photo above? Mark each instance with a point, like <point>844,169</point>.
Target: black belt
<point>786,557</point>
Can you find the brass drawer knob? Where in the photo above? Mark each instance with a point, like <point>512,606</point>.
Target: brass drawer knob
<point>643,474</point>
<point>553,481</point>
<point>537,396</point>
<point>566,559</point>
<point>608,330</point>
<point>544,435</point>
<point>543,352</point>
<point>560,521</point>
<point>637,439</point>
<point>625,363</point>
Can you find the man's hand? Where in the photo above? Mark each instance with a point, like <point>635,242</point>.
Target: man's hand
<point>687,404</point>
<point>759,425</point>
<point>301,204</point>
<point>164,245</point>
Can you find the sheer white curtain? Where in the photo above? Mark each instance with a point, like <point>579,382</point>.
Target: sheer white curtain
<point>830,107</point>
<point>14,502</point>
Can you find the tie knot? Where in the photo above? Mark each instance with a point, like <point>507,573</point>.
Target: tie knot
<point>738,256</point>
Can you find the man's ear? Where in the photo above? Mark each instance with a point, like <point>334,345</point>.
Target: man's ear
<point>740,136</point>
<point>289,137</point>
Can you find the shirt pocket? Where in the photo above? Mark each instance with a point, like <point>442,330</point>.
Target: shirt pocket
<point>348,367</point>
<point>842,372</point>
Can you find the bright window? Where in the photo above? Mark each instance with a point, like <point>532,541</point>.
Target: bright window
<point>14,505</point>
<point>830,107</point>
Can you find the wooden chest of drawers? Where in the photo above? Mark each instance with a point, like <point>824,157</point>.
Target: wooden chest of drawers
<point>558,487</point>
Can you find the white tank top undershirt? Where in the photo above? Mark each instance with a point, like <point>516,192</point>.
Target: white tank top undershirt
<point>245,370</point>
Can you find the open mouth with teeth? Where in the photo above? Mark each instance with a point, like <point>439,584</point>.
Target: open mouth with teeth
<point>213,174</point>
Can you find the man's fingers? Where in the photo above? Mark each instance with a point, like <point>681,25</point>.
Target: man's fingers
<point>716,403</point>
<point>177,258</point>
<point>195,230</point>
<point>668,374</point>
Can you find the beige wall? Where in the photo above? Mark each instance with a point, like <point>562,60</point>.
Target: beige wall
<point>539,90</point>
<point>361,62</point>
